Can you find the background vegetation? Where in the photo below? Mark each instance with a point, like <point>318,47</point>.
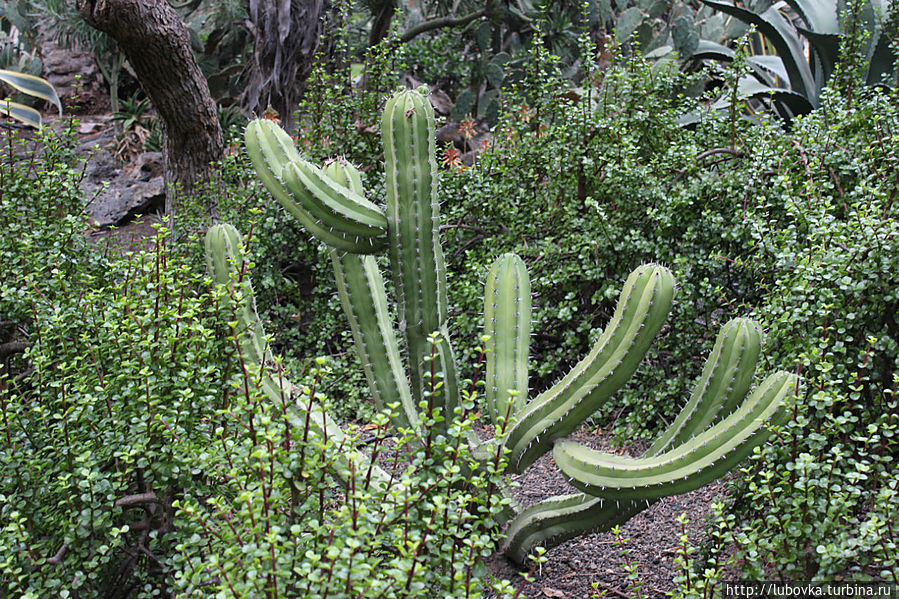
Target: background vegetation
<point>137,457</point>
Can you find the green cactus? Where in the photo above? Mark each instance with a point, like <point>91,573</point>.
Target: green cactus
<point>507,324</point>
<point>717,428</point>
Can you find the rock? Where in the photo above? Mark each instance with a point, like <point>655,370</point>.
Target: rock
<point>123,200</point>
<point>75,76</point>
<point>120,194</point>
<point>145,166</point>
<point>440,100</point>
<point>101,167</point>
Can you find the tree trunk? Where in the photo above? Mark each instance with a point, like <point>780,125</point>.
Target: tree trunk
<point>287,36</point>
<point>380,27</point>
<point>157,44</point>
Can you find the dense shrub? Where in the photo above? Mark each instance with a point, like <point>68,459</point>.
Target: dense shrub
<point>139,459</point>
<point>822,503</point>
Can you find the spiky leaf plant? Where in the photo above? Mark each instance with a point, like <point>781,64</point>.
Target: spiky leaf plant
<point>808,37</point>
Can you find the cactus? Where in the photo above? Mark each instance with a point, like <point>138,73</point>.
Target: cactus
<point>507,324</point>
<point>716,429</point>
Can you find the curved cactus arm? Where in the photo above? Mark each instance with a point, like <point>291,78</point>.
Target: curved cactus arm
<point>558,519</point>
<point>507,324</point>
<point>334,205</point>
<point>691,465</point>
<point>225,259</point>
<point>723,384</point>
<point>642,309</point>
<point>271,150</point>
<point>416,257</point>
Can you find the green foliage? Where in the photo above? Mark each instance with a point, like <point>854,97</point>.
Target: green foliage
<point>41,220</point>
<point>142,453</point>
<point>819,503</point>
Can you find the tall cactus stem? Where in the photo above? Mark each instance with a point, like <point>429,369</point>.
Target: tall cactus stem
<point>507,324</point>
<point>413,221</point>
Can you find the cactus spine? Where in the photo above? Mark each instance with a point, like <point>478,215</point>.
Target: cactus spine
<point>715,430</point>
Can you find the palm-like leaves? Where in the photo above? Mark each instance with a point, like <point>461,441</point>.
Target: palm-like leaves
<point>806,35</point>
<point>33,86</point>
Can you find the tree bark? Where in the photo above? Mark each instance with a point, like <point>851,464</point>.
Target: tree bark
<point>287,36</point>
<point>157,44</point>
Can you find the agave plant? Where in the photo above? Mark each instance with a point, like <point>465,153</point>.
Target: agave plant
<point>718,427</point>
<point>33,86</point>
<point>806,35</point>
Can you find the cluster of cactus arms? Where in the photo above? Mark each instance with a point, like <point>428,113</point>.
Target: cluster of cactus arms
<point>718,427</point>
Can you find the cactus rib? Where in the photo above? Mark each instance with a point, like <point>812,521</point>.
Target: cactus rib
<point>361,291</point>
<point>642,308</point>
<point>563,517</point>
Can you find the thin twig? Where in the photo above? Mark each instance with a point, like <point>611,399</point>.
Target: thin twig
<point>737,153</point>
<point>56,560</point>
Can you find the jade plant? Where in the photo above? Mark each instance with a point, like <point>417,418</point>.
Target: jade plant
<point>414,373</point>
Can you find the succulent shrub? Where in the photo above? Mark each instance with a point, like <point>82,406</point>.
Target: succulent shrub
<point>717,428</point>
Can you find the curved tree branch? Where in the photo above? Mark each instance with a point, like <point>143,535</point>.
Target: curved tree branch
<point>441,23</point>
<point>13,347</point>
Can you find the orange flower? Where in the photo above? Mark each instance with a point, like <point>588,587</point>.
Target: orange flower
<point>466,128</point>
<point>451,157</point>
<point>271,114</point>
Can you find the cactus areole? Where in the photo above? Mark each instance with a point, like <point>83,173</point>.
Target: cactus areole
<point>720,424</point>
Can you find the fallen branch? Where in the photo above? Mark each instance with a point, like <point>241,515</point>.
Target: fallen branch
<point>13,347</point>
